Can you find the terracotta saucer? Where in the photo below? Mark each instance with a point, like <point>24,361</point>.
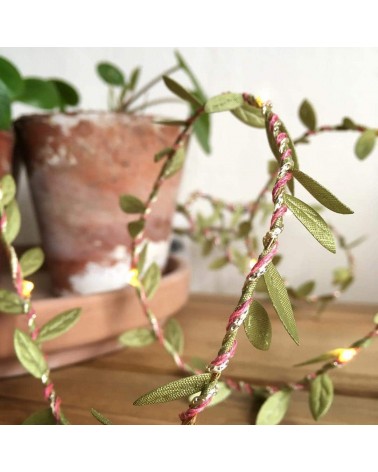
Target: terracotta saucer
<point>104,317</point>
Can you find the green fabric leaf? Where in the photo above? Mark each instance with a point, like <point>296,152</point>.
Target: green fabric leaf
<point>343,277</point>
<point>207,246</point>
<point>327,356</point>
<point>8,189</point>
<point>307,115</point>
<point>58,325</point>
<point>222,394</point>
<point>99,417</point>
<point>281,302</point>
<point>251,116</point>
<point>41,417</point>
<point>175,390</point>
<point>365,144</point>
<point>131,204</point>
<point>142,258</point>
<point>174,336</point>
<point>198,363</point>
<point>321,396</point>
<point>312,221</point>
<point>40,93</point>
<point>13,222</point>
<point>180,91</point>
<point>244,229</point>
<point>224,102</point>
<point>31,261</point>
<point>201,129</point>
<point>11,303</point>
<point>305,289</point>
<point>11,78</point>
<point>29,354</point>
<point>5,109</point>
<point>218,263</point>
<point>163,153</point>
<point>261,286</point>
<point>68,95</point>
<point>110,73</point>
<point>138,337</point>
<point>135,227</point>
<point>257,326</point>
<point>274,408</point>
<point>151,280</point>
<point>364,343</point>
<point>324,196</point>
<point>240,260</point>
<point>175,163</point>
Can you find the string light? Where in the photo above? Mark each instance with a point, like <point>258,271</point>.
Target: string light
<point>346,355</point>
<point>252,262</point>
<point>133,279</point>
<point>27,288</point>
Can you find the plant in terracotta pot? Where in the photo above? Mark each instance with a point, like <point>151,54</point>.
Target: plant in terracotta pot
<point>79,164</point>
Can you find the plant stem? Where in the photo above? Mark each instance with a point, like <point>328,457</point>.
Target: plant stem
<point>146,87</point>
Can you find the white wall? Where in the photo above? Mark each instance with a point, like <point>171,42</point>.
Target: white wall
<point>338,81</point>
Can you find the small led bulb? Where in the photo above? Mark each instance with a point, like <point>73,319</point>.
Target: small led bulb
<point>252,262</point>
<point>133,278</point>
<point>27,288</point>
<point>346,355</point>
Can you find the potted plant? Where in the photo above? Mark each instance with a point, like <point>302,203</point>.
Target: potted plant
<point>79,163</point>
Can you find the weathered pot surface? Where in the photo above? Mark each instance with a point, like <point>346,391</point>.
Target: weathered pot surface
<point>78,165</point>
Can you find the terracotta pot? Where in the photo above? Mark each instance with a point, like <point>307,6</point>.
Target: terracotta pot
<point>6,152</point>
<point>78,165</point>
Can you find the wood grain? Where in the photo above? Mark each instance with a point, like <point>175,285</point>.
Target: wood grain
<point>111,383</point>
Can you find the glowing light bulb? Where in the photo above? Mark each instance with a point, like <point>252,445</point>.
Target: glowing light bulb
<point>133,278</point>
<point>346,355</point>
<point>27,288</point>
<point>259,101</point>
<point>252,262</point>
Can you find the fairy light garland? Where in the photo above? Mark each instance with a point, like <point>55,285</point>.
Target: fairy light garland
<point>24,290</point>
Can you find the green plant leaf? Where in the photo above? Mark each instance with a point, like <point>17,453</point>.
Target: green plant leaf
<point>163,153</point>
<point>13,222</point>
<point>175,163</point>
<point>180,91</point>
<point>224,102</point>
<point>40,93</point>
<point>201,129</point>
<point>321,396</point>
<point>58,325</point>
<point>11,303</point>
<point>11,78</point>
<point>257,326</point>
<point>110,74</point>
<point>327,356</point>
<point>305,289</point>
<point>218,263</point>
<point>174,336</point>
<point>8,189</point>
<point>251,116</point>
<point>365,144</point>
<point>138,337</point>
<point>142,258</point>
<point>281,302</point>
<point>312,221</point>
<point>364,343</point>
<point>31,261</point>
<point>134,78</point>
<point>41,417</point>
<point>151,279</point>
<point>274,408</point>
<point>135,227</point>
<point>99,417</point>
<point>131,204</point>
<point>174,390</point>
<point>29,354</point>
<point>324,196</point>
<point>307,115</point>
<point>5,109</point>
<point>67,93</point>
<point>184,65</point>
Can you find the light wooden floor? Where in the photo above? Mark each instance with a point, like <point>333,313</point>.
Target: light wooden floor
<point>111,383</point>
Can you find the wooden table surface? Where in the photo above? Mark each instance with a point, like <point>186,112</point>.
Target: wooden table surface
<point>112,382</point>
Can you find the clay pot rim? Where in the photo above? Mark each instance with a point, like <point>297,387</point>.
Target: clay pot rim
<point>91,113</point>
